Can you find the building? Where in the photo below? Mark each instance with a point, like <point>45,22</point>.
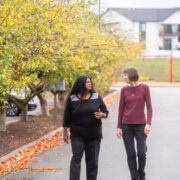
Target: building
<point>158,29</point>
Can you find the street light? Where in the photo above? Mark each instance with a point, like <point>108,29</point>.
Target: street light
<point>99,12</point>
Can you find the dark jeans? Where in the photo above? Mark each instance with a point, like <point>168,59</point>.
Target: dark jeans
<point>91,149</point>
<point>131,132</point>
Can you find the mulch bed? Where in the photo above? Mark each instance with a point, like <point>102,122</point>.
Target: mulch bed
<point>21,133</point>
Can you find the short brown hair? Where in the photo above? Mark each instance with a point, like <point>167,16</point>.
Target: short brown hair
<point>132,73</point>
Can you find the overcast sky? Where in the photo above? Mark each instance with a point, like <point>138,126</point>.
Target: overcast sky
<point>139,3</point>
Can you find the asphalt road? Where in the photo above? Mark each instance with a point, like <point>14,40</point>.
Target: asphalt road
<point>163,158</point>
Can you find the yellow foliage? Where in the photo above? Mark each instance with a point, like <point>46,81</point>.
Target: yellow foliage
<point>49,41</point>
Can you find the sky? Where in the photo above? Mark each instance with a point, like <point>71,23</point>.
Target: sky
<point>139,4</point>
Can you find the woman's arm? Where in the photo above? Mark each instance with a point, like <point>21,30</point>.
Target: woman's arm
<point>67,119</point>
<point>121,109</point>
<point>102,111</point>
<point>149,110</point>
<point>103,108</point>
<point>149,105</point>
<point>67,113</point>
<point>120,115</point>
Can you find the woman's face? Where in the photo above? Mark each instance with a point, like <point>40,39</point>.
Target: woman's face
<point>126,78</point>
<point>88,84</point>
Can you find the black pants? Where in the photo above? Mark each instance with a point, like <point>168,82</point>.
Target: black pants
<point>91,149</point>
<point>131,132</point>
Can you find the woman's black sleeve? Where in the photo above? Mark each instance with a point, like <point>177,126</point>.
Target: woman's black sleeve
<point>103,108</point>
<point>67,113</point>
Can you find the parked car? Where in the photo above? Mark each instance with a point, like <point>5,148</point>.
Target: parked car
<point>13,110</point>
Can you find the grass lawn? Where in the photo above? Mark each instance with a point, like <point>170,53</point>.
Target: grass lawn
<point>156,69</point>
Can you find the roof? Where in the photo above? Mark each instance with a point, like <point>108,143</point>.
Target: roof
<point>145,14</point>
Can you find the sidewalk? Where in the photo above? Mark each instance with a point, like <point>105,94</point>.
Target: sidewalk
<point>163,113</point>
<point>24,151</point>
<point>163,157</point>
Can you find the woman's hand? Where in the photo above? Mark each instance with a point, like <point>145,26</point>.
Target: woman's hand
<point>66,135</point>
<point>98,114</point>
<point>147,128</point>
<point>66,139</point>
<point>119,133</point>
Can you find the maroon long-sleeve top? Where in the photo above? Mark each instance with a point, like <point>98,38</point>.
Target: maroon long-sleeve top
<point>132,104</point>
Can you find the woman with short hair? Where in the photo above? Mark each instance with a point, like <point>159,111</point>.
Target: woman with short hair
<point>132,124</point>
<point>83,113</point>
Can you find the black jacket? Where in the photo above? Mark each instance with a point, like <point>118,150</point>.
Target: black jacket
<point>79,116</point>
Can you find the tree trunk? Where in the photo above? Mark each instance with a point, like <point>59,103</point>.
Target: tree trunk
<point>2,119</point>
<point>24,116</point>
<point>62,98</point>
<point>55,107</point>
<point>43,103</point>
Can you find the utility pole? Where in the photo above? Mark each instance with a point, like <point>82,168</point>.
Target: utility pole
<point>99,13</point>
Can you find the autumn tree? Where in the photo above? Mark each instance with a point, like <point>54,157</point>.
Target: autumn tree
<point>46,41</point>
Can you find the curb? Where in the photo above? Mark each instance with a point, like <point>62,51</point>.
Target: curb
<point>22,158</point>
<point>13,153</point>
<point>108,100</point>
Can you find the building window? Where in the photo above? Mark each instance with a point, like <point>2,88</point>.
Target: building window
<point>168,28</point>
<point>178,32</point>
<point>178,28</point>
<point>167,44</point>
<point>178,38</point>
<point>142,30</point>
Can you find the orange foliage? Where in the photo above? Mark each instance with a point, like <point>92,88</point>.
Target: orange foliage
<point>20,160</point>
<point>109,100</point>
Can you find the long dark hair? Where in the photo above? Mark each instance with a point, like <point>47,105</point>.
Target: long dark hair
<point>79,86</point>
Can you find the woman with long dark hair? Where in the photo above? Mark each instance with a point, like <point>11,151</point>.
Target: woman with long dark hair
<point>132,124</point>
<point>83,113</point>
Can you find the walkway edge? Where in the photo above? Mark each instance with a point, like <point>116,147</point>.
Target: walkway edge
<point>107,101</point>
<point>23,148</point>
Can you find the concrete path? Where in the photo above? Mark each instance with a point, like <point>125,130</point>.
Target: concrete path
<point>163,159</point>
